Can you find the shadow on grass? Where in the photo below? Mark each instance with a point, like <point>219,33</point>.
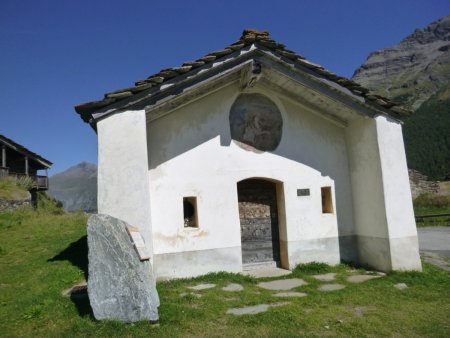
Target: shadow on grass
<point>82,303</point>
<point>76,253</point>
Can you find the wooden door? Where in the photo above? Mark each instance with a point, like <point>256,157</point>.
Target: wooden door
<point>259,221</point>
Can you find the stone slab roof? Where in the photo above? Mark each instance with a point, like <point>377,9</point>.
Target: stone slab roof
<point>24,151</point>
<point>249,37</point>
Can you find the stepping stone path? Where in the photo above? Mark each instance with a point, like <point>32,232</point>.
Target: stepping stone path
<point>267,272</point>
<point>325,277</point>
<point>233,287</point>
<point>252,310</point>
<point>202,286</point>
<point>361,278</point>
<point>400,286</point>
<point>331,287</point>
<point>290,294</point>
<point>282,284</point>
<point>288,284</point>
<point>249,310</point>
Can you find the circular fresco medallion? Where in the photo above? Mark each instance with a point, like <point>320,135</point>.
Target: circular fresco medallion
<point>255,122</point>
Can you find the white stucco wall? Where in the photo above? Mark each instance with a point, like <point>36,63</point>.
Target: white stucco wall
<point>123,189</point>
<point>146,168</point>
<point>384,219</point>
<point>191,154</point>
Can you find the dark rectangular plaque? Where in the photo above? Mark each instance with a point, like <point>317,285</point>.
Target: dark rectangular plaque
<point>303,192</point>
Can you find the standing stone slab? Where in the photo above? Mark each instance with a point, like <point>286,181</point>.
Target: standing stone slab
<point>120,286</point>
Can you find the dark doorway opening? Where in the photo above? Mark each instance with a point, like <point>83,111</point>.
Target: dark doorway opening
<point>258,215</point>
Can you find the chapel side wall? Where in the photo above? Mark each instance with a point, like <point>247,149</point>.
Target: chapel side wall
<point>192,154</point>
<point>381,199</point>
<point>123,189</point>
<point>403,239</point>
<point>368,198</point>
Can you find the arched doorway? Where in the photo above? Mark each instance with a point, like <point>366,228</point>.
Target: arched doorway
<point>258,216</point>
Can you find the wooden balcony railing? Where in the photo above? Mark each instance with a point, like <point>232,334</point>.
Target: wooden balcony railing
<point>37,181</point>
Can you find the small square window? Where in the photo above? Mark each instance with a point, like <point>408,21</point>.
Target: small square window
<point>190,212</point>
<point>327,201</point>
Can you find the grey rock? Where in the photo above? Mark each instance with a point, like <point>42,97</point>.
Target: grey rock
<point>11,205</point>
<point>331,287</point>
<point>120,286</point>
<point>282,284</point>
<point>325,277</point>
<point>290,294</point>
<point>361,278</point>
<point>400,286</point>
<point>249,310</point>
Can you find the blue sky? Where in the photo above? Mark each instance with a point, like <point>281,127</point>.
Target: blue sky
<point>55,54</point>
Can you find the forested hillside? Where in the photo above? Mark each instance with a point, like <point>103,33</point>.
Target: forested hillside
<point>427,136</point>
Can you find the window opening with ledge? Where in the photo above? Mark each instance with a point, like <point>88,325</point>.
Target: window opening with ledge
<point>190,212</point>
<point>327,201</point>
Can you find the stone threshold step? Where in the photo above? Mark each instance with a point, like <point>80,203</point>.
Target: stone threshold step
<point>259,265</point>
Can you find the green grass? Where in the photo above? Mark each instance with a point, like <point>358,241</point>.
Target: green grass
<point>41,255</point>
<point>10,190</point>
<point>427,204</point>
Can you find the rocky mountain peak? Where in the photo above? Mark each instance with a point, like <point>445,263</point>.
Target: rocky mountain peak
<point>438,30</point>
<point>411,71</point>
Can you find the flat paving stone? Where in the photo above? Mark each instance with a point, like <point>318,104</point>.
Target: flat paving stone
<point>202,286</point>
<point>331,287</point>
<point>400,286</point>
<point>233,287</point>
<point>266,272</point>
<point>252,310</point>
<point>282,284</point>
<point>249,310</point>
<point>184,294</point>
<point>361,278</point>
<point>326,277</point>
<point>379,273</point>
<point>290,294</point>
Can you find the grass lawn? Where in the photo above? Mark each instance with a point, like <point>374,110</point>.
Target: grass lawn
<point>432,205</point>
<point>41,255</point>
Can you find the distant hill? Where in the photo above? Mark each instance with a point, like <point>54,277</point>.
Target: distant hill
<point>416,73</point>
<point>76,187</point>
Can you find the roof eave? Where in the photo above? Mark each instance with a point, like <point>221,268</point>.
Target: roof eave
<point>168,81</point>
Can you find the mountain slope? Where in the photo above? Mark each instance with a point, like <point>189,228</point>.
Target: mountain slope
<point>76,187</point>
<point>412,71</point>
<point>416,73</point>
